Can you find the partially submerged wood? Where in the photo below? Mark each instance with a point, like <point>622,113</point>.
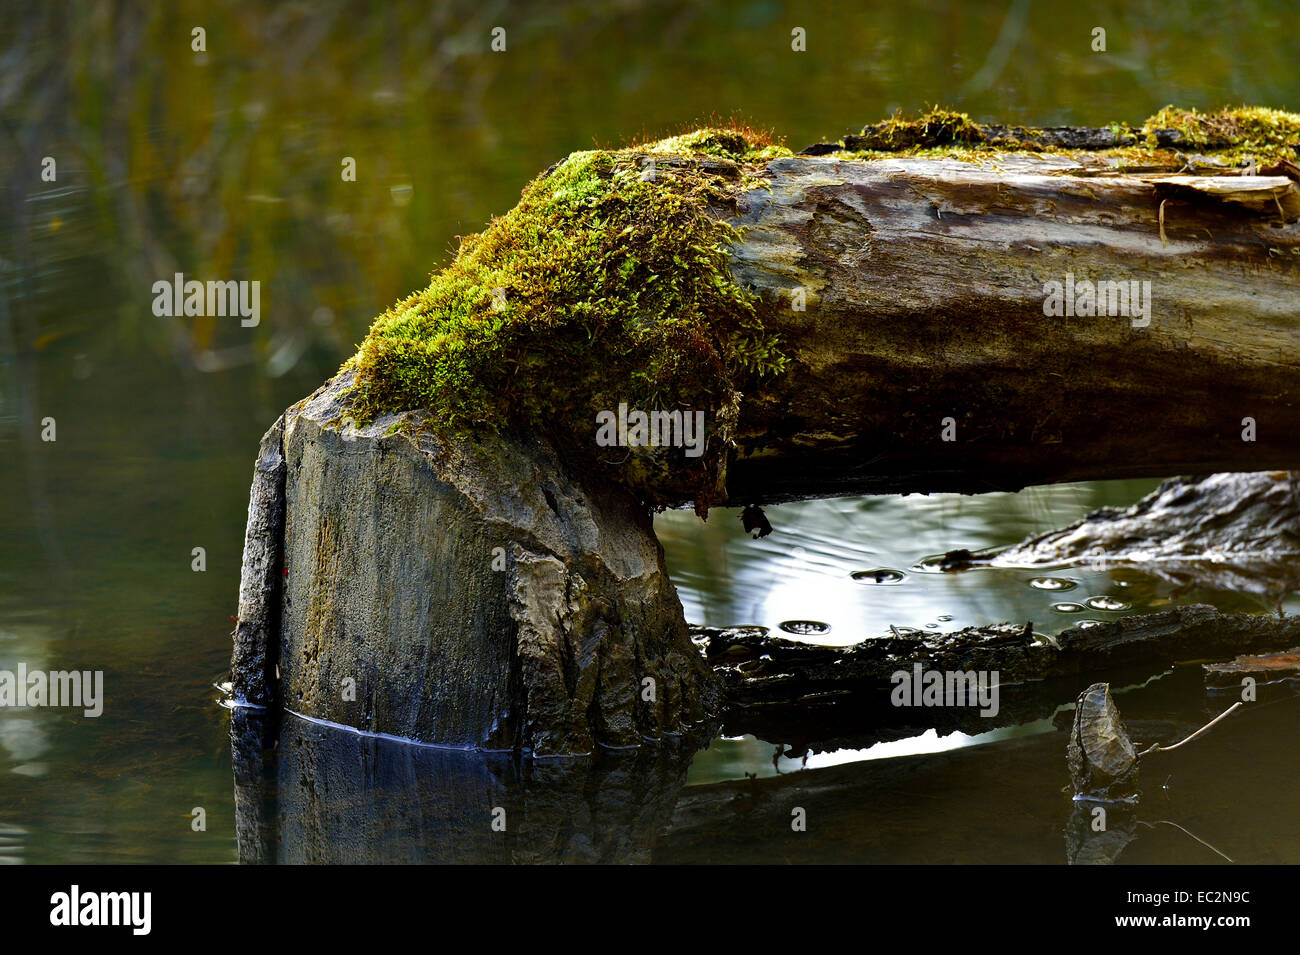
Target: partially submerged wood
<point>837,697</point>
<point>501,587</point>
<point>1232,532</point>
<point>1260,667</point>
<point>471,594</point>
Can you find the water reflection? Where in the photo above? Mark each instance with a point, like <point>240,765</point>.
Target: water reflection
<point>307,793</point>
<point>227,165</point>
<point>832,561</point>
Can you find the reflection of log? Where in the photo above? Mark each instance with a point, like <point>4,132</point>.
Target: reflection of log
<point>924,286</point>
<point>333,796</point>
<point>326,795</point>
<point>840,696</point>
<point>1002,802</point>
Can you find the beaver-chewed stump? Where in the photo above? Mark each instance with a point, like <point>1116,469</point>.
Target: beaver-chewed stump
<point>451,541</point>
<point>469,593</point>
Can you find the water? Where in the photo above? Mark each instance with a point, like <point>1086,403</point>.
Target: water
<point>226,165</point>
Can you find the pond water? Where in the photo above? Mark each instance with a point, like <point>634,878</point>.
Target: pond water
<point>226,164</point>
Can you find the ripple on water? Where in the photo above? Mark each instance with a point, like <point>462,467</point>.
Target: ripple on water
<point>805,627</point>
<point>1107,602</point>
<point>882,575</point>
<point>1053,583</point>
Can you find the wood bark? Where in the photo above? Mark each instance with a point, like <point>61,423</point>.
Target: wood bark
<point>909,294</point>
<point>829,698</point>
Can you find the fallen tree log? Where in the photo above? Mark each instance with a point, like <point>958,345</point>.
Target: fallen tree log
<point>923,283</point>
<point>467,554</point>
<point>827,698</point>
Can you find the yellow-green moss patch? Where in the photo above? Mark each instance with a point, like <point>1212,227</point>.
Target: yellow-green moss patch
<point>607,283</point>
<point>1246,132</point>
<point>1228,137</point>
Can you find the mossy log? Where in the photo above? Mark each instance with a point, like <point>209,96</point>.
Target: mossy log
<point>923,283</point>
<point>463,560</point>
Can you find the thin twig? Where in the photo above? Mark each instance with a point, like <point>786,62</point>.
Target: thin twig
<point>1166,822</point>
<point>1156,747</point>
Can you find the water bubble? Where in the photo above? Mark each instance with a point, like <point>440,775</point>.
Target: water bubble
<point>1068,608</point>
<point>1105,602</point>
<point>882,575</point>
<point>1053,583</point>
<point>932,626</point>
<point>944,617</point>
<point>1085,624</point>
<point>805,627</point>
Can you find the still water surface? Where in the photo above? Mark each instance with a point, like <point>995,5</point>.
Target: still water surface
<point>226,165</point>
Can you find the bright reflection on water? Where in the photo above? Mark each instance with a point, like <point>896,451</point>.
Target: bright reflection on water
<point>804,569</point>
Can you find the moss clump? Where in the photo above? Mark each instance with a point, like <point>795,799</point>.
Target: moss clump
<point>1242,133</point>
<point>935,127</point>
<point>1229,137</point>
<point>608,283</point>
<point>736,144</point>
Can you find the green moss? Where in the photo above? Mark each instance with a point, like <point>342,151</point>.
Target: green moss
<point>607,283</point>
<point>1228,137</point>
<point>738,145</point>
<point>935,127</point>
<point>1243,133</point>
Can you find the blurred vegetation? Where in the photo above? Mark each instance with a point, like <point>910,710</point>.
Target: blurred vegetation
<point>226,164</point>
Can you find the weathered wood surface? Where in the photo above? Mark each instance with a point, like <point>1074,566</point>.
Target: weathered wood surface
<point>835,697</point>
<point>1231,532</point>
<point>472,594</point>
<point>1261,667</point>
<point>257,629</point>
<point>923,282</point>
